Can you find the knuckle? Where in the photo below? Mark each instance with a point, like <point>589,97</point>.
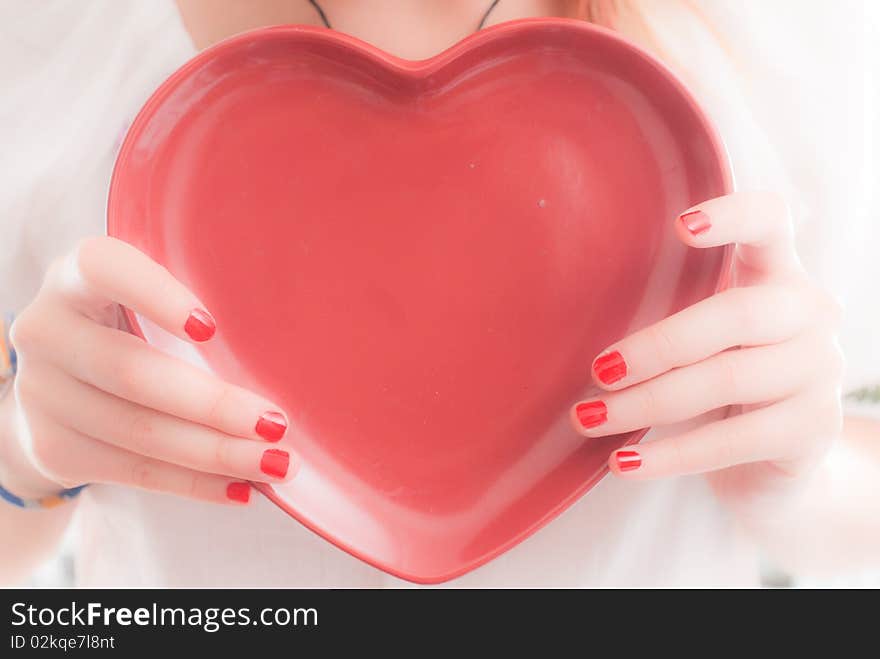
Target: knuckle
<point>649,407</point>
<point>729,379</point>
<point>223,455</point>
<point>218,401</point>
<point>663,345</point>
<point>24,333</point>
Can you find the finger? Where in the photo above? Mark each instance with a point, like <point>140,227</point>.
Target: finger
<point>780,433</point>
<point>152,434</point>
<point>752,316</point>
<point>71,458</point>
<point>759,223</point>
<point>125,366</point>
<point>102,271</point>
<point>120,467</point>
<point>737,377</point>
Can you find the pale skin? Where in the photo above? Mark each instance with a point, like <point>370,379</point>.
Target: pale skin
<point>756,369</point>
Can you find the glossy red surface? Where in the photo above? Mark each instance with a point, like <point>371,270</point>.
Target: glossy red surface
<point>628,460</point>
<point>696,222</point>
<point>271,426</point>
<point>610,368</point>
<point>420,260</point>
<point>592,414</point>
<point>275,463</point>
<point>199,325</point>
<point>240,492</point>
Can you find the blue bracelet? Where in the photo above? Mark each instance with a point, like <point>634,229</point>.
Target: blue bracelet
<point>43,502</point>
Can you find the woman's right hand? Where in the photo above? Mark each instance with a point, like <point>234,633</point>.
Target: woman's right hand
<point>94,404</point>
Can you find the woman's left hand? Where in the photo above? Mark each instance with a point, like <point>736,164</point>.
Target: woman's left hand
<point>766,347</point>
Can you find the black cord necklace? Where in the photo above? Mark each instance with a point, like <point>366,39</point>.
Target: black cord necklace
<point>326,23</point>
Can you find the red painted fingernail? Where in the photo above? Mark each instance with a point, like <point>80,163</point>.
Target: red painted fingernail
<point>609,368</point>
<point>696,222</point>
<point>200,325</point>
<point>240,492</point>
<point>271,426</point>
<point>628,460</point>
<point>592,414</point>
<point>275,463</point>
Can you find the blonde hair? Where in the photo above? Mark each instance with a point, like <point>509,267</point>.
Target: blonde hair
<point>623,16</point>
<point>629,19</point>
<point>600,12</point>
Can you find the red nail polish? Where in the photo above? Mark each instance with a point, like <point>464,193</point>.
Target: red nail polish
<point>628,460</point>
<point>200,325</point>
<point>609,368</point>
<point>696,222</point>
<point>592,414</point>
<point>240,492</point>
<point>275,463</point>
<point>271,426</point>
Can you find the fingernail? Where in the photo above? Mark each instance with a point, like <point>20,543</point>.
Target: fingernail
<point>592,414</point>
<point>696,222</point>
<point>610,368</point>
<point>628,460</point>
<point>240,492</point>
<point>271,426</point>
<point>275,463</point>
<point>200,325</point>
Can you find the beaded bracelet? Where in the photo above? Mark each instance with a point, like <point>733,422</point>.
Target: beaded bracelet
<point>43,502</point>
<point>8,365</point>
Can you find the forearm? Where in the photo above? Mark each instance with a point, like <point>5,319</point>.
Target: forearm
<point>27,537</point>
<point>833,522</point>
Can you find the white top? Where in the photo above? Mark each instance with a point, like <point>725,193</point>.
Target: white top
<point>786,85</point>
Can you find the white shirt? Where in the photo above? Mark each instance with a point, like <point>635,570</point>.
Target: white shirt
<point>787,90</point>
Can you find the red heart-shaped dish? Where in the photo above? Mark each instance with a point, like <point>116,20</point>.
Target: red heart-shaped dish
<point>419,261</point>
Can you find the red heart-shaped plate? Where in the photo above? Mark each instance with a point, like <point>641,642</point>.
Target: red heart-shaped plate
<point>419,261</point>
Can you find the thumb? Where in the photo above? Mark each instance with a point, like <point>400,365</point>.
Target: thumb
<point>760,225</point>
